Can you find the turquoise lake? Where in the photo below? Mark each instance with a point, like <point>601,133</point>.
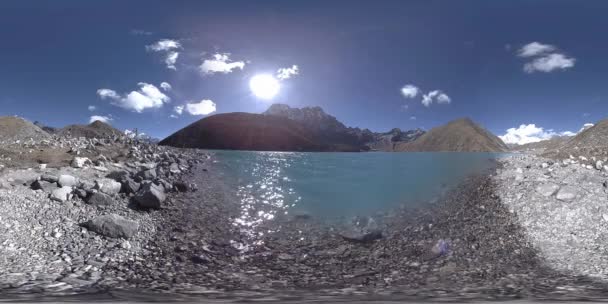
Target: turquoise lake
<point>340,184</point>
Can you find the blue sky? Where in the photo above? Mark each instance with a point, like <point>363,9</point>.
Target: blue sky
<point>502,63</point>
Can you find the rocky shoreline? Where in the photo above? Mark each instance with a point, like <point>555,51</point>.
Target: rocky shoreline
<point>159,222</point>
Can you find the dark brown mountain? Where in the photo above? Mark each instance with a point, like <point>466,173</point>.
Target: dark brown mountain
<point>461,135</point>
<point>592,141</point>
<point>245,131</point>
<point>96,129</point>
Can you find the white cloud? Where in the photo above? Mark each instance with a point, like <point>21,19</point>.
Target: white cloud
<point>545,58</point>
<point>178,109</point>
<point>220,63</point>
<point>164,45</point>
<point>585,127</point>
<point>535,49</point>
<point>169,47</point>
<point>412,117</point>
<point>436,96</point>
<point>165,86</point>
<point>203,107</point>
<point>531,133</point>
<point>286,73</point>
<point>107,93</point>
<point>92,108</point>
<point>172,116</point>
<point>549,63</point>
<point>148,96</point>
<point>409,91</point>
<point>105,119</point>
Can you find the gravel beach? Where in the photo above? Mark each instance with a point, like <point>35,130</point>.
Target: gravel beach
<point>159,223</point>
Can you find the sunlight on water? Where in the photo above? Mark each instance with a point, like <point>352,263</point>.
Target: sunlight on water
<point>333,185</point>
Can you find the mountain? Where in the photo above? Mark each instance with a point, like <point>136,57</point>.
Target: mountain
<point>592,141</point>
<point>461,135</point>
<point>245,131</point>
<point>389,140</point>
<point>552,143</point>
<point>96,129</point>
<point>326,128</point>
<point>14,128</point>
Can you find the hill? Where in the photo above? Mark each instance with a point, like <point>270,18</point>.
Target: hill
<point>15,128</point>
<point>592,141</point>
<point>96,129</point>
<point>245,131</point>
<point>461,135</point>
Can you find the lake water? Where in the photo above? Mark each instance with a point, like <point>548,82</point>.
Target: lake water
<point>340,184</point>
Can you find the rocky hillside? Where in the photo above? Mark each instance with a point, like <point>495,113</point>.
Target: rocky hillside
<point>389,140</point>
<point>461,135</point>
<point>545,145</point>
<point>591,142</point>
<point>245,131</point>
<point>14,128</point>
<point>96,129</point>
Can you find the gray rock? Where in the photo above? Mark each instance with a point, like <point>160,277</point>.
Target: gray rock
<point>547,189</point>
<point>180,186</point>
<point>148,174</point>
<point>100,199</point>
<point>150,196</point>
<point>61,194</point>
<point>129,186</point>
<point>112,225</point>
<point>49,178</point>
<point>174,168</point>
<point>107,186</point>
<point>567,193</point>
<point>44,186</point>
<point>119,175</point>
<point>362,237</point>
<point>67,181</point>
<point>79,162</point>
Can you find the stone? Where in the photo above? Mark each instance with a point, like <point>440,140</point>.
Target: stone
<point>363,237</point>
<point>79,162</point>
<point>67,181</point>
<point>599,165</point>
<point>547,189</point>
<point>100,199</point>
<point>49,178</point>
<point>150,196</point>
<point>108,186</point>
<point>148,174</point>
<point>566,193</point>
<point>174,168</point>
<point>180,186</point>
<point>61,194</point>
<point>200,259</point>
<point>43,185</point>
<point>42,166</point>
<point>544,165</point>
<point>129,186</point>
<point>113,226</point>
<point>118,175</point>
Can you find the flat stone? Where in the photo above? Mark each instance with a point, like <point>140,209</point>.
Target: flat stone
<point>112,225</point>
<point>100,199</point>
<point>61,194</point>
<point>567,193</point>
<point>107,186</point>
<point>67,181</point>
<point>547,189</point>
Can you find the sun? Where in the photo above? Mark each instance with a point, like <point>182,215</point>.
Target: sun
<point>264,86</point>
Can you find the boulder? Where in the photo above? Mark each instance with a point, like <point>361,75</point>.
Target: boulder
<point>43,185</point>
<point>180,186</point>
<point>547,189</point>
<point>174,168</point>
<point>112,225</point>
<point>79,162</point>
<point>129,186</point>
<point>148,174</point>
<point>567,193</point>
<point>108,186</point>
<point>150,196</point>
<point>599,165</point>
<point>118,175</point>
<point>100,199</point>
<point>67,181</point>
<point>61,194</point>
<point>49,178</point>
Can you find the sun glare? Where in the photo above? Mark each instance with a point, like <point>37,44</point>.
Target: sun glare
<point>264,86</point>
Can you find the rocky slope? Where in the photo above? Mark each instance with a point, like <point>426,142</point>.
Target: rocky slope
<point>96,129</point>
<point>14,128</point>
<point>591,142</point>
<point>391,139</point>
<point>545,145</point>
<point>461,135</point>
<point>245,131</point>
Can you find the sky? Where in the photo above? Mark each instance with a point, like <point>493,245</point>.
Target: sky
<point>525,70</point>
